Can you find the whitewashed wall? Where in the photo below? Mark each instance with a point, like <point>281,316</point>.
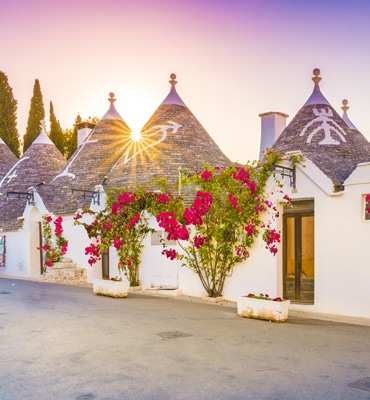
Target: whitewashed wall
<point>342,250</point>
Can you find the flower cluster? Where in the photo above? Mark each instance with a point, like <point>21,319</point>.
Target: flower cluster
<point>116,279</point>
<point>170,253</point>
<point>367,201</point>
<point>53,254</point>
<point>271,237</point>
<point>263,296</point>
<point>172,227</point>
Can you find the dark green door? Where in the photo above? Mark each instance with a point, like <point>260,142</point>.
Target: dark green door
<point>105,263</point>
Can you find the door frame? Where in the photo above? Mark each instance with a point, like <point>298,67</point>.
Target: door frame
<point>297,209</point>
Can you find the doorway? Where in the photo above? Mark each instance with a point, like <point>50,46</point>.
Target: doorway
<point>299,251</point>
<point>105,263</point>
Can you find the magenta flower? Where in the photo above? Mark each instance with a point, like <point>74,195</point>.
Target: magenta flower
<point>163,198</point>
<point>206,175</point>
<point>170,253</point>
<point>199,241</point>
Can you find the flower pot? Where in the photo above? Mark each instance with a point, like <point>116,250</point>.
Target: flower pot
<point>105,287</point>
<point>276,311</point>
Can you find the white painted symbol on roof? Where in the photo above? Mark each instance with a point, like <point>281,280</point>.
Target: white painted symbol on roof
<point>328,125</point>
<point>12,172</point>
<point>151,132</point>
<point>10,177</point>
<point>66,171</point>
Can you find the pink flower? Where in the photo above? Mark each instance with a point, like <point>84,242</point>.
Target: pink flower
<point>241,175</point>
<point>115,208</point>
<point>249,229</point>
<point>170,253</point>
<point>206,175</point>
<point>126,197</point>
<point>134,220</point>
<point>191,217</point>
<point>64,248</point>
<point>233,200</point>
<point>117,243</point>
<point>199,241</point>
<point>162,198</point>
<point>252,186</point>
<point>77,217</point>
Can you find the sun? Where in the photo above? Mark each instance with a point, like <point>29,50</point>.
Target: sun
<point>136,136</point>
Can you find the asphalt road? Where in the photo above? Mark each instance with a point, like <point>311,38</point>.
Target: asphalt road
<point>64,342</point>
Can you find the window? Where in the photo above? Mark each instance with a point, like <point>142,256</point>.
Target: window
<point>2,251</point>
<point>366,207</point>
<point>157,238</point>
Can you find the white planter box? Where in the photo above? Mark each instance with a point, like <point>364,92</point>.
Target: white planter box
<point>105,287</point>
<point>276,311</point>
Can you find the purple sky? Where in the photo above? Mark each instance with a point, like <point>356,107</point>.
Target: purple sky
<point>234,59</point>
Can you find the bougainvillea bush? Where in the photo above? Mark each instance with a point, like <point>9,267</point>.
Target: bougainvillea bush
<point>215,226</point>
<point>217,229</point>
<point>122,225</point>
<point>53,254</point>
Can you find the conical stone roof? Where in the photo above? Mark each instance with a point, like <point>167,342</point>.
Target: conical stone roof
<point>7,159</point>
<point>172,139</point>
<point>73,186</point>
<point>36,168</point>
<point>324,137</point>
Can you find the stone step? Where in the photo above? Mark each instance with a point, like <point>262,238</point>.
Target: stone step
<point>64,272</point>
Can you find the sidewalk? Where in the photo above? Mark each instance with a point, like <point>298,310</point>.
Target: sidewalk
<point>295,310</point>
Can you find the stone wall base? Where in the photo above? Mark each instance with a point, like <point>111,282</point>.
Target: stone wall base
<point>65,271</point>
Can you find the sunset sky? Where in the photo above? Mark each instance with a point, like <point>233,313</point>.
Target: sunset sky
<point>234,59</point>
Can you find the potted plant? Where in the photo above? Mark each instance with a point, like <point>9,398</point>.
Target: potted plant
<point>263,307</point>
<point>112,287</point>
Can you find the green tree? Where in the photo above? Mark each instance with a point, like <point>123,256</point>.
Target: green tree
<point>56,133</point>
<point>70,139</point>
<point>71,136</point>
<point>8,116</point>
<point>36,114</point>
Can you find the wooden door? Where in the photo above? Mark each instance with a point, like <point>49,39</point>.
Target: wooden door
<point>299,252</point>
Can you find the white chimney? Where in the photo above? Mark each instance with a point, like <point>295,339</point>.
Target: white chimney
<point>84,128</point>
<point>272,124</point>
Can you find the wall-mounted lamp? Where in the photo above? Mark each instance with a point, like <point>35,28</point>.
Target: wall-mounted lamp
<point>89,193</point>
<point>286,171</point>
<point>19,195</point>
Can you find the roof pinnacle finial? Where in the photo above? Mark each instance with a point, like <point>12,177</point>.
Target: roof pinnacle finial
<point>173,80</point>
<point>345,106</point>
<point>316,77</point>
<point>111,98</point>
<point>43,126</point>
<point>316,96</point>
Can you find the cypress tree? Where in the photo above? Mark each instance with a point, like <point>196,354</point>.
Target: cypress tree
<point>36,114</point>
<point>8,116</point>
<point>71,139</point>
<point>56,133</point>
